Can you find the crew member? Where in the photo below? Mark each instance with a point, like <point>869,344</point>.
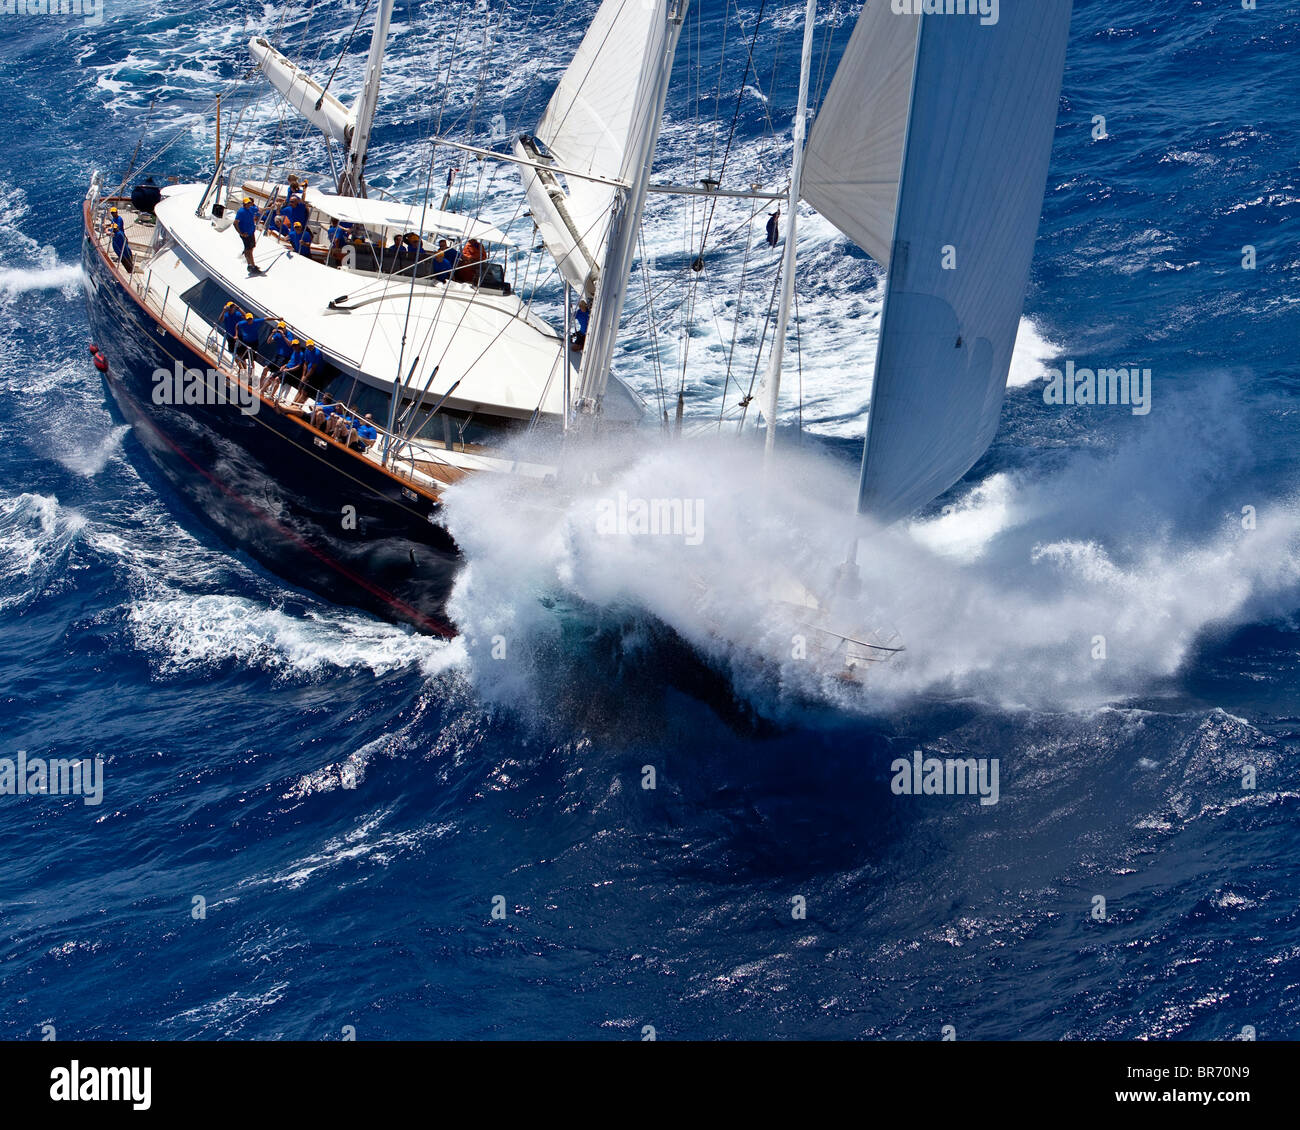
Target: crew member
<point>278,350</point>
<point>581,317</point>
<point>312,366</point>
<point>444,261</point>
<point>297,211</point>
<point>248,331</point>
<point>335,240</point>
<point>471,255</point>
<point>122,248</point>
<point>246,225</point>
<point>325,408</point>
<point>231,316</point>
<point>288,374</point>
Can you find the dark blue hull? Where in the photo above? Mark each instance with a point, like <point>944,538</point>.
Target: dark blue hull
<point>310,511</point>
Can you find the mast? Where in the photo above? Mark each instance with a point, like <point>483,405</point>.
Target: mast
<point>352,181</point>
<point>629,204</point>
<point>773,377</point>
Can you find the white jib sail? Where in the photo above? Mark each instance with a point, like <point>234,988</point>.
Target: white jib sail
<point>303,92</point>
<point>855,148</point>
<point>587,128</point>
<point>974,170</point>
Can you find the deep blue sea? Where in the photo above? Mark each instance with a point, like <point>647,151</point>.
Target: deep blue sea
<point>308,814</point>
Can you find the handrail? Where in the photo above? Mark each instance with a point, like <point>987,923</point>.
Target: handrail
<point>213,345</point>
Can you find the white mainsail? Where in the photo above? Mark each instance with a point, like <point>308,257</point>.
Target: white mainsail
<point>977,110</point>
<point>303,92</point>
<point>589,127</point>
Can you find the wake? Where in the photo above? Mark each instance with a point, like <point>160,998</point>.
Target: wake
<point>21,280</point>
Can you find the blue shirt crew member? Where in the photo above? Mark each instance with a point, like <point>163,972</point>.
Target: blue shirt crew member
<point>309,366</point>
<point>301,240</point>
<point>444,261</point>
<point>581,318</point>
<point>122,249</point>
<point>291,372</point>
<point>248,331</point>
<point>312,366</point>
<point>336,239</point>
<point>278,349</point>
<point>366,434</point>
<point>231,316</point>
<point>297,211</point>
<point>246,226</point>
<point>277,344</point>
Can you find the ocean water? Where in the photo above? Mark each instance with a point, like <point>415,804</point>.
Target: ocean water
<point>309,815</point>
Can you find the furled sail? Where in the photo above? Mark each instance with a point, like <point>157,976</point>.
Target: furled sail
<point>303,92</point>
<point>973,173</point>
<point>855,148</point>
<point>588,128</point>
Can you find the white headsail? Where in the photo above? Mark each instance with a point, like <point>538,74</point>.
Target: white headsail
<point>625,220</point>
<point>855,151</point>
<point>589,127</point>
<point>303,92</point>
<point>979,105</point>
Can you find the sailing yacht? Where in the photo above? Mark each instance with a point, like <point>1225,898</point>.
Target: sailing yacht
<point>929,151</point>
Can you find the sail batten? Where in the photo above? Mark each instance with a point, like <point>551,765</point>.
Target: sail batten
<point>972,178</point>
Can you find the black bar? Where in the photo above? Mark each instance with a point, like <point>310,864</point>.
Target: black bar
<point>924,1080</point>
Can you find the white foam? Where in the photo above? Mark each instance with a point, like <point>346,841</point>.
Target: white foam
<point>88,458</point>
<point>36,536</point>
<point>187,632</point>
<point>20,280</point>
<point>1004,596</point>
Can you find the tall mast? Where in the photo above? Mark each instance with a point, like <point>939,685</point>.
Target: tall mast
<point>352,181</point>
<point>773,376</point>
<point>628,206</point>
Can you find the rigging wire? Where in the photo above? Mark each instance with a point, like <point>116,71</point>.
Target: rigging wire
<point>365,7</point>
